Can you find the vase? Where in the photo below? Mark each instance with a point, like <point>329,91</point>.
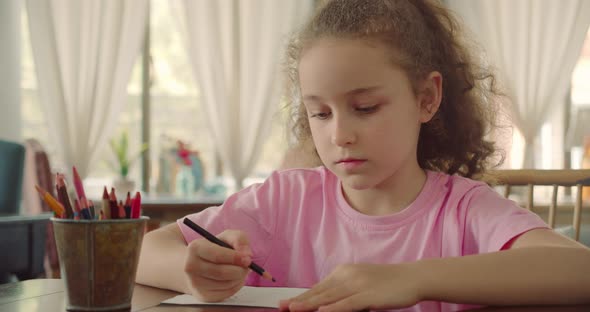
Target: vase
<point>122,186</point>
<point>185,182</point>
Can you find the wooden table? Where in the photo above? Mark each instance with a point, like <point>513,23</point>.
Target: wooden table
<point>47,295</point>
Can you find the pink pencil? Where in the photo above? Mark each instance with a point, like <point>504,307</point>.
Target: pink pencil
<point>78,184</point>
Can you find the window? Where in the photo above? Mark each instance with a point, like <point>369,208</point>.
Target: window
<point>580,93</point>
<point>175,110</point>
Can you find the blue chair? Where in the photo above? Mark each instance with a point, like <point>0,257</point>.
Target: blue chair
<point>12,156</point>
<point>22,238</point>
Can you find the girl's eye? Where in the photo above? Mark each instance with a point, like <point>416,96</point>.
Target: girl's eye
<point>320,116</point>
<point>367,109</point>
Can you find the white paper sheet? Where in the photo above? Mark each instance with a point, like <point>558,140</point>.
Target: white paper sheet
<point>267,297</point>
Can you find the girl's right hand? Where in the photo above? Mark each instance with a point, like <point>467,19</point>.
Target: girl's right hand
<point>215,273</point>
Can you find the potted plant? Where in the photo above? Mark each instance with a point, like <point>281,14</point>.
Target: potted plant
<point>124,161</point>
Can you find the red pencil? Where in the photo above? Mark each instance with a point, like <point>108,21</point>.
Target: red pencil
<point>78,184</point>
<point>106,206</point>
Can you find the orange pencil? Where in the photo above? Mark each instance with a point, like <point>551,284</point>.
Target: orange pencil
<point>51,202</point>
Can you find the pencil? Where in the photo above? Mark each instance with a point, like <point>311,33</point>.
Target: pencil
<point>52,202</point>
<point>84,211</point>
<point>78,184</point>
<point>136,206</point>
<point>77,210</point>
<point>210,237</point>
<point>93,213</point>
<point>106,206</point>
<point>127,206</point>
<point>62,194</point>
<point>113,204</point>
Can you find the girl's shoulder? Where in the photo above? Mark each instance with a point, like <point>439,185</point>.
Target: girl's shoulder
<point>457,183</point>
<point>462,192</point>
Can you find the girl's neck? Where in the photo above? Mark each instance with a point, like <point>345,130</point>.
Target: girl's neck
<point>391,196</point>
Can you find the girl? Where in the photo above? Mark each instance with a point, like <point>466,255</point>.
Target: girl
<point>397,111</point>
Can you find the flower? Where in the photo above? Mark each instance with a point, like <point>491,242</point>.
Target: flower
<point>184,153</point>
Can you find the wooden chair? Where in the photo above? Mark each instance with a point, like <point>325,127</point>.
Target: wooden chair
<point>569,178</point>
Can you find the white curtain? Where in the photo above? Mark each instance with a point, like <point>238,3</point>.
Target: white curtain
<point>535,45</point>
<point>235,50</point>
<point>84,52</point>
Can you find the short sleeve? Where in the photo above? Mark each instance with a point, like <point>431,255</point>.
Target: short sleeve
<point>252,210</point>
<point>492,221</point>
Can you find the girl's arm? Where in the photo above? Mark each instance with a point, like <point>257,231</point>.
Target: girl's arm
<point>203,269</point>
<point>162,259</point>
<point>541,267</point>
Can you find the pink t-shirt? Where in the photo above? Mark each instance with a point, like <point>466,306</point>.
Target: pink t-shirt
<point>301,227</point>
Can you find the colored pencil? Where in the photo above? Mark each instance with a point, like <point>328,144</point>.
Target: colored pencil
<point>92,209</point>
<point>77,213</point>
<point>62,195</point>
<point>210,237</point>
<point>106,207</point>
<point>122,214</point>
<point>127,206</point>
<point>113,205</point>
<point>136,206</point>
<point>57,208</point>
<point>84,211</point>
<point>78,184</point>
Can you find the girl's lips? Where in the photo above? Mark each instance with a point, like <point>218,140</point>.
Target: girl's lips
<point>349,164</point>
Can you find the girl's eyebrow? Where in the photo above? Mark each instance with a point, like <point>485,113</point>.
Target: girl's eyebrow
<point>357,91</point>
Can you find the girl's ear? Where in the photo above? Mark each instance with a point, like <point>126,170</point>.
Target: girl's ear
<point>430,96</point>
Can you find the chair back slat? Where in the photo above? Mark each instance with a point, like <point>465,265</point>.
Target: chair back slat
<point>531,178</point>
<point>529,202</point>
<point>563,177</point>
<point>578,212</point>
<point>552,207</point>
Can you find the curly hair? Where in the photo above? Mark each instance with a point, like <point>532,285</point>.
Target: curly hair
<point>423,37</point>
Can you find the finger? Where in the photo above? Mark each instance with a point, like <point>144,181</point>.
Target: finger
<point>201,282</point>
<point>219,295</point>
<point>356,302</point>
<point>238,240</point>
<point>316,289</point>
<point>221,272</point>
<point>319,299</point>
<point>214,253</point>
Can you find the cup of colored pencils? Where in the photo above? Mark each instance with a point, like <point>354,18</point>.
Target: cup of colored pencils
<point>98,247</point>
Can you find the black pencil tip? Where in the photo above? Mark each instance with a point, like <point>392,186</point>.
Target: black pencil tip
<point>274,280</point>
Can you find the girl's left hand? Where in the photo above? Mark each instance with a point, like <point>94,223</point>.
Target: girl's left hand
<point>355,287</point>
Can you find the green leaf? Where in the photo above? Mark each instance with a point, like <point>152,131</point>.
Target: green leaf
<point>120,149</point>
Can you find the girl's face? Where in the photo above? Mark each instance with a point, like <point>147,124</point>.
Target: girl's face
<point>363,113</point>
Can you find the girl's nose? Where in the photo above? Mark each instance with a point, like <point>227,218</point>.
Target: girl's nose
<point>342,133</point>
